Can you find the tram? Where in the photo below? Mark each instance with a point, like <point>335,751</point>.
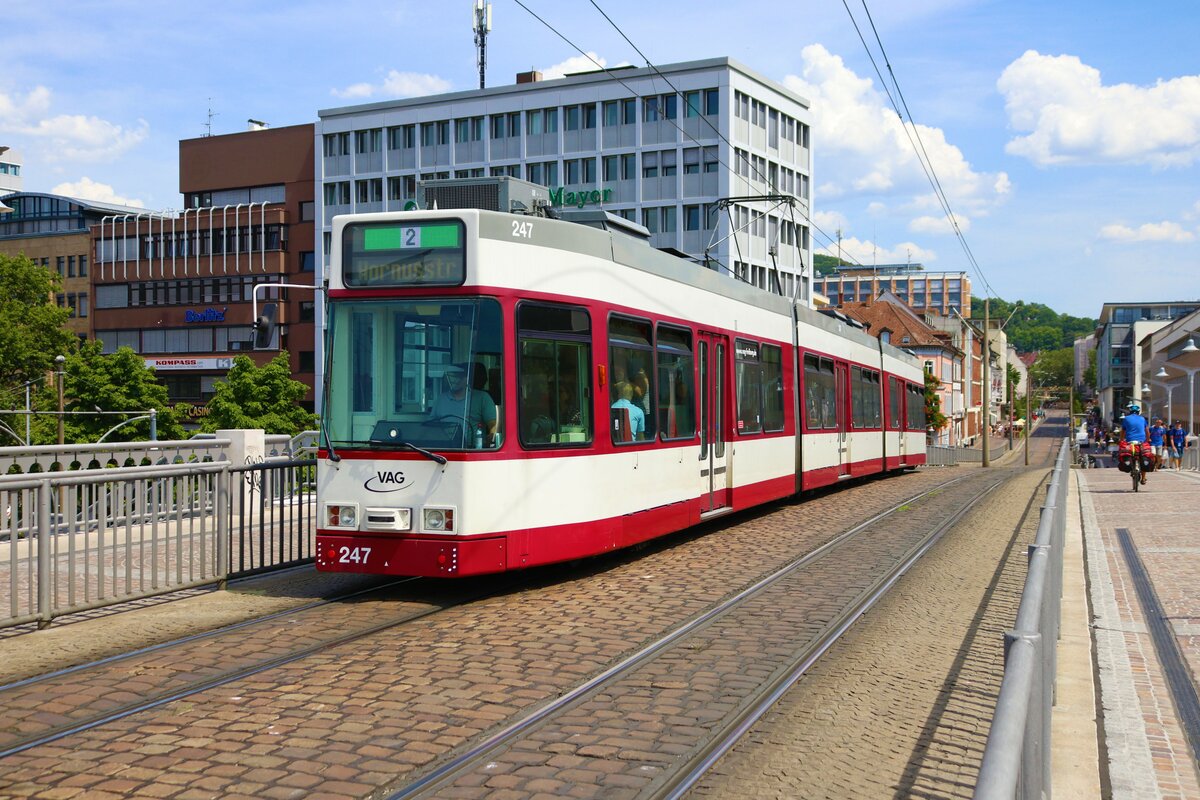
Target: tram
<point>504,391</point>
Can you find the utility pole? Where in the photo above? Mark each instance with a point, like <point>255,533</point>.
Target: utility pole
<point>1011,409</point>
<point>481,23</point>
<point>987,389</point>
<point>839,235</point>
<point>1028,421</point>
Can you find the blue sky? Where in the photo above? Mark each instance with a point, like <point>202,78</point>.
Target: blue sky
<point>1065,134</point>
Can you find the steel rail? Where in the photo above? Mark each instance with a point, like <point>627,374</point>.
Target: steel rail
<point>210,634</point>
<point>243,672</point>
<point>770,693</point>
<point>472,756</point>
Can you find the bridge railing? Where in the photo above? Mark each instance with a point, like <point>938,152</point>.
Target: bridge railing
<point>82,538</point>
<point>1016,760</point>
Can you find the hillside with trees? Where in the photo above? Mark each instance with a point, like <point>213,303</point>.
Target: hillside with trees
<point>1035,327</point>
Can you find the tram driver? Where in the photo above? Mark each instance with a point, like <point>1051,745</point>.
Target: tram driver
<point>474,409</point>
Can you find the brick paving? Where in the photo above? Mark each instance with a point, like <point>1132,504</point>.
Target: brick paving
<point>899,708</point>
<point>1148,755</point>
<point>365,715</point>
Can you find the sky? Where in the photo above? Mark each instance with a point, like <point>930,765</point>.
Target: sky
<point>1064,135</point>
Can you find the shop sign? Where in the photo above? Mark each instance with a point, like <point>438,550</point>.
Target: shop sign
<point>189,363</point>
<point>579,198</point>
<point>207,315</point>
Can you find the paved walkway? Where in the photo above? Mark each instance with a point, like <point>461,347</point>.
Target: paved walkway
<point>1142,554</point>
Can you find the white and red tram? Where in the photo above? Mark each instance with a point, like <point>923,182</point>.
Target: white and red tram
<point>504,391</point>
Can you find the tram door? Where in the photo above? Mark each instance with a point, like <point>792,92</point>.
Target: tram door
<point>842,384</point>
<point>901,406</point>
<point>713,394</point>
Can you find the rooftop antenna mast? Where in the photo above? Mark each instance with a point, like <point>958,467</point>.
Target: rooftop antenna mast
<point>211,114</point>
<point>481,23</point>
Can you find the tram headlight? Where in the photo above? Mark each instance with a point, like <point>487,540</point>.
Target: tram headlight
<point>341,515</point>
<point>440,520</point>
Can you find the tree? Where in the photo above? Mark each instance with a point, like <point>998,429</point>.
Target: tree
<point>1034,326</point>
<point>934,418</point>
<point>31,325</point>
<point>1055,367</point>
<point>92,380</point>
<point>259,397</point>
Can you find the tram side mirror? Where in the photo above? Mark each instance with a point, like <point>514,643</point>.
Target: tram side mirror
<point>264,327</point>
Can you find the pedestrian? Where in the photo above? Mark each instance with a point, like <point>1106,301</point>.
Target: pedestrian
<point>1178,441</point>
<point>1157,438</point>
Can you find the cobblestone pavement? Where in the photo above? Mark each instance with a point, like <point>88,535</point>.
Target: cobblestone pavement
<point>342,723</point>
<point>901,706</point>
<point>1148,754</point>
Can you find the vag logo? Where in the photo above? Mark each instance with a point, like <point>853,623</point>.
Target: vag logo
<point>385,482</point>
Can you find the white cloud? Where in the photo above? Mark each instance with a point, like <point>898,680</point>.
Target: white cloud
<point>939,225</point>
<point>1149,232</point>
<point>66,137</point>
<point>396,84</point>
<point>865,149</point>
<point>867,252</point>
<point>574,64</point>
<point>830,220</point>
<point>1070,117</point>
<point>87,189</point>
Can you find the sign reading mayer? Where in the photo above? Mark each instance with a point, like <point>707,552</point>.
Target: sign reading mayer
<point>559,196</point>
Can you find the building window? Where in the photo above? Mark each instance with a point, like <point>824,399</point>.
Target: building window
<point>691,104</point>
<point>307,261</point>
<point>306,361</point>
<point>307,311</point>
<point>712,102</point>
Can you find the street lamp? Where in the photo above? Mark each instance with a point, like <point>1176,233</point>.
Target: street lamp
<point>60,360</point>
<point>1162,373</point>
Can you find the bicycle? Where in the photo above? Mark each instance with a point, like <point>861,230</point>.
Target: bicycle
<point>1135,471</point>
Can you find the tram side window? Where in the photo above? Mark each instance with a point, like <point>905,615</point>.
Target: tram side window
<point>864,388</point>
<point>676,390</point>
<point>894,404</point>
<point>772,371</point>
<point>916,407</point>
<point>554,370</point>
<point>631,362</point>
<point>749,387</point>
<point>820,393</point>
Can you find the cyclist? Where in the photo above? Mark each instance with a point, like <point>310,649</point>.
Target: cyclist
<point>1135,429</point>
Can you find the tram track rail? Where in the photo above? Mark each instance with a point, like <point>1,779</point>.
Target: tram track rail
<point>477,755</point>
<point>12,742</point>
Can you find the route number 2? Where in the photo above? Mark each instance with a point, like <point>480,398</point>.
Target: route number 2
<point>522,230</point>
<point>353,555</point>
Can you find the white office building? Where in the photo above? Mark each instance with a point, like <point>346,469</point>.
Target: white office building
<point>660,147</point>
<point>10,170</point>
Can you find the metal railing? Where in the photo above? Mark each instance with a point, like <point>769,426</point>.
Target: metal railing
<point>1016,760</point>
<point>76,540</point>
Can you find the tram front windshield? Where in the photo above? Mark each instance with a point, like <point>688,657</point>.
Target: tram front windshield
<point>423,373</point>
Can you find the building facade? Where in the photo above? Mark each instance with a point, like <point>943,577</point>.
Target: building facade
<point>10,170</point>
<point>53,231</point>
<point>941,292</point>
<point>1118,359</point>
<point>177,288</point>
<point>660,147</point>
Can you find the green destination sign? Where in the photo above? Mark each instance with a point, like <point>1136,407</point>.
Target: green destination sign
<point>579,198</point>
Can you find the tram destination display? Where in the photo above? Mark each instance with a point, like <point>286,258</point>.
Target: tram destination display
<point>430,253</point>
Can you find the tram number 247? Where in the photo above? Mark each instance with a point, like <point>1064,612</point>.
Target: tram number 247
<point>353,555</point>
<point>522,230</point>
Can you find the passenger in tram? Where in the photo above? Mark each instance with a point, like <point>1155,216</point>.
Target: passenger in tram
<point>637,418</point>
<point>474,410</point>
<point>537,423</point>
<point>640,383</point>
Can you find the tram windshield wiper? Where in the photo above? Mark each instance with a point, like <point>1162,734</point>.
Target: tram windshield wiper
<point>431,456</point>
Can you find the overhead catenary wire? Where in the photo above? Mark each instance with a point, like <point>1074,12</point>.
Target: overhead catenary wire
<point>805,216</point>
<point>918,144</point>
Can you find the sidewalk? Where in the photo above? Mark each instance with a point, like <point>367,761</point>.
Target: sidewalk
<point>1145,634</point>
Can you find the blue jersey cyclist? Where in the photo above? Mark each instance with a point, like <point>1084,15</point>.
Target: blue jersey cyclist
<point>1134,425</point>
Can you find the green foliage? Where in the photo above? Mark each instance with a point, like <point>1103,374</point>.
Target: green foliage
<point>934,418</point>
<point>1034,326</point>
<point>31,325</point>
<point>1089,374</point>
<point>259,397</point>
<point>1054,367</point>
<point>827,265</point>
<point>120,381</point>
